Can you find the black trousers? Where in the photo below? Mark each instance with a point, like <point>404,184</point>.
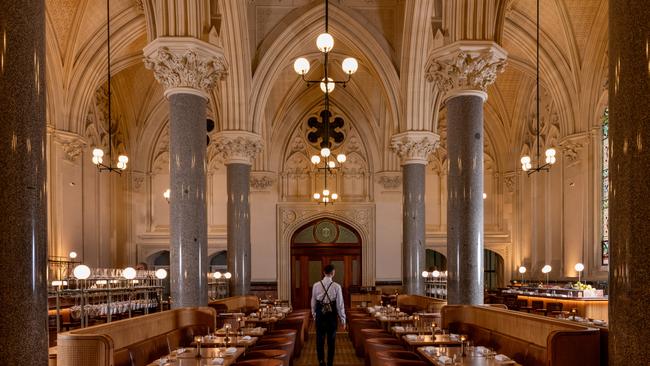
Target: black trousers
<point>326,326</point>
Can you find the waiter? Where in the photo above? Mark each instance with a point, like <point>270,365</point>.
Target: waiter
<point>327,307</point>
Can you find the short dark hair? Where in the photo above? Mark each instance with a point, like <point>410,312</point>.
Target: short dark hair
<point>328,269</point>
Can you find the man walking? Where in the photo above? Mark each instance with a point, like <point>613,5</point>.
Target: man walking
<point>326,306</point>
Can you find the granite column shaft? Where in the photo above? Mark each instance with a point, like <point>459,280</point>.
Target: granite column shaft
<point>23,286</point>
<point>239,228</point>
<point>465,200</point>
<point>188,211</point>
<point>413,228</point>
<point>629,172</point>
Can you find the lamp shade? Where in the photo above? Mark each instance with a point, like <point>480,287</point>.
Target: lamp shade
<point>522,269</point>
<point>546,269</point>
<point>161,274</point>
<point>72,255</point>
<point>325,152</point>
<point>350,65</point>
<point>129,273</point>
<point>335,196</point>
<point>425,274</point>
<point>227,275</point>
<point>316,196</point>
<point>550,156</point>
<point>301,66</point>
<point>325,42</point>
<point>81,272</point>
<point>315,159</point>
<point>216,275</point>
<point>435,273</point>
<point>330,85</point>
<point>579,267</point>
<point>341,158</point>
<point>326,192</point>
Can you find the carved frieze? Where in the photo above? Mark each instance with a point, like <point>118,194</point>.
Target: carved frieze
<point>262,181</point>
<point>390,181</point>
<point>465,67</point>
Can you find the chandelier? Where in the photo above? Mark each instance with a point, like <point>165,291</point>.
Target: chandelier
<point>98,153</point>
<point>526,163</point>
<point>326,131</point>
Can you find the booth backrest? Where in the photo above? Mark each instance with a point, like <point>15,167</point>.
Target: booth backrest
<point>528,339</point>
<point>108,344</point>
<point>413,303</point>
<point>245,304</point>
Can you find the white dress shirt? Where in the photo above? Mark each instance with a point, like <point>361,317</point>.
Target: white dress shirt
<point>335,293</point>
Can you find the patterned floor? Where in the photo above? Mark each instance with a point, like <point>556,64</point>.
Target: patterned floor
<point>344,355</point>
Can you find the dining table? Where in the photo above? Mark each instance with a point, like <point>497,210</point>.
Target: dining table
<point>210,356</point>
<point>413,340</point>
<point>234,340</point>
<point>474,356</point>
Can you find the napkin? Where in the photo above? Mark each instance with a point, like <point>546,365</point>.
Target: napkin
<point>398,329</point>
<point>430,350</point>
<point>444,359</point>
<point>217,361</point>
<point>231,350</point>
<point>180,350</point>
<point>453,337</point>
<point>411,337</point>
<point>501,358</point>
<point>246,338</point>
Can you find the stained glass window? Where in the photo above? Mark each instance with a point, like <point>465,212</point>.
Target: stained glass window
<point>605,192</point>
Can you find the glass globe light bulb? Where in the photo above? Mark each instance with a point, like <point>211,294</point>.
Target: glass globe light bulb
<point>350,65</point>
<point>341,158</point>
<point>98,152</point>
<point>216,275</point>
<point>326,192</point>
<point>522,269</point>
<point>330,85</point>
<point>315,159</point>
<point>325,152</point>
<point>525,159</point>
<point>325,42</point>
<point>227,275</point>
<point>484,195</point>
<point>335,196</point>
<point>301,66</point>
<point>579,267</point>
<point>72,255</point>
<point>129,273</point>
<point>161,273</point>
<point>326,199</point>
<point>316,196</point>
<point>331,164</point>
<point>97,160</point>
<point>425,274</point>
<point>435,273</point>
<point>546,269</point>
<point>123,158</point>
<point>121,165</point>
<point>167,194</point>
<point>81,272</point>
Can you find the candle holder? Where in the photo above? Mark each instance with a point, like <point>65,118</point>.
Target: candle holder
<point>463,338</point>
<point>226,339</point>
<point>198,340</point>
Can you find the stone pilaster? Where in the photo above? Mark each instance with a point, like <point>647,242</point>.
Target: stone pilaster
<point>188,69</point>
<point>238,148</point>
<point>463,71</point>
<point>413,147</point>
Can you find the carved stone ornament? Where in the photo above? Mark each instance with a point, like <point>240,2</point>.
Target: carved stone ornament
<point>414,147</point>
<point>186,65</point>
<point>71,144</point>
<point>465,68</point>
<point>571,146</point>
<point>262,181</point>
<point>391,181</point>
<point>237,147</point>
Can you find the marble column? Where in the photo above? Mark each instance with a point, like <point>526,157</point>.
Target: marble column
<point>23,284</point>
<point>629,167</point>
<point>413,147</point>
<point>238,149</point>
<point>462,72</point>
<point>465,200</point>
<point>189,69</point>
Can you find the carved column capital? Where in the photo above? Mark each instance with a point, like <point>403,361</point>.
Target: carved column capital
<point>186,65</point>
<point>238,147</point>
<point>414,147</point>
<point>465,67</point>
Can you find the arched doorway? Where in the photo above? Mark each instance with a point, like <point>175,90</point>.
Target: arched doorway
<point>219,261</point>
<point>435,260</point>
<point>492,270</point>
<point>317,244</point>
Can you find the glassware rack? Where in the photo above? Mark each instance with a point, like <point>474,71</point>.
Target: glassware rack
<point>105,296</point>
<point>436,286</point>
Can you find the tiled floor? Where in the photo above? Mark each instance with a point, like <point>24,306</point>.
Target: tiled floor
<point>344,355</point>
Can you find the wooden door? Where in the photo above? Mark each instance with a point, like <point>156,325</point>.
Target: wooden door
<point>316,245</point>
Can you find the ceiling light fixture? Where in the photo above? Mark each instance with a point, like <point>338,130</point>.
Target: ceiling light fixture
<point>326,131</point>
<point>526,162</point>
<point>98,153</point>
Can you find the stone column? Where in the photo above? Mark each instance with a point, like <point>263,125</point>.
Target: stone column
<point>414,148</point>
<point>239,149</point>
<point>189,69</point>
<point>629,199</point>
<point>23,284</point>
<point>463,71</point>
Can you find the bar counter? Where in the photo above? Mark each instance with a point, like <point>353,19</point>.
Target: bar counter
<point>586,307</point>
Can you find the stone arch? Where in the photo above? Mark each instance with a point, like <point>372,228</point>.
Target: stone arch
<point>292,217</point>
